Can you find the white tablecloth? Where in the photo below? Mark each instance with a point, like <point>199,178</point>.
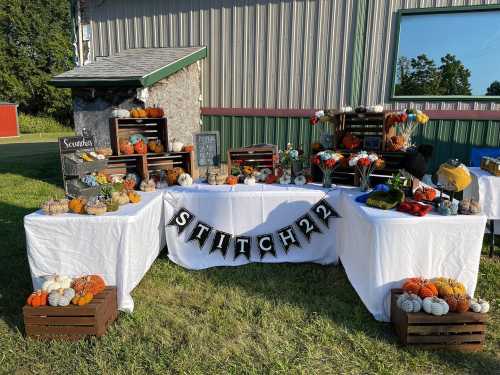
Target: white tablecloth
<point>120,246</point>
<point>379,249</point>
<point>249,211</point>
<point>486,189</point>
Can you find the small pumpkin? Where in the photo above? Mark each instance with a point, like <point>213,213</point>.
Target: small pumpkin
<point>126,148</point>
<point>55,206</point>
<point>459,303</point>
<point>120,113</point>
<point>148,186</point>
<point>155,146</point>
<point>89,284</point>
<point>479,305</point>
<point>61,297</point>
<point>56,282</point>
<point>188,148</point>
<point>285,179</point>
<point>419,286</point>
<point>138,113</point>
<point>231,180</point>
<point>154,112</point>
<point>176,146</point>
<point>448,286</point>
<point>37,298</point>
<point>185,180</point>
<point>350,141</point>
<point>131,181</point>
<point>95,207</point>
<point>271,179</point>
<point>141,148</point>
<point>435,306</point>
<point>77,205</point>
<point>120,197</point>
<point>249,180</point>
<point>409,302</point>
<point>173,175</point>
<point>134,197</point>
<point>82,299</point>
<point>300,180</point>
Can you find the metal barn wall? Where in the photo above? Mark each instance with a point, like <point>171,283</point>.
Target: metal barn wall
<point>450,138</point>
<point>380,44</point>
<point>262,53</point>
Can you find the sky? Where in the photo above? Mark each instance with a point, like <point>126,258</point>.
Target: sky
<point>474,37</point>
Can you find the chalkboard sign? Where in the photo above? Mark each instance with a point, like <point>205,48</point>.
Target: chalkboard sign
<point>72,144</point>
<point>207,149</point>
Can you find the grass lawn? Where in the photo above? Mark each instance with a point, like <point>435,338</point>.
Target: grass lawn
<point>259,318</point>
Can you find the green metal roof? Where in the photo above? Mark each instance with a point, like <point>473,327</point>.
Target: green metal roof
<point>140,67</point>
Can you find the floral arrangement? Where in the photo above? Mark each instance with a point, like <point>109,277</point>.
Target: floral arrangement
<point>365,164</point>
<point>328,161</point>
<point>290,155</point>
<point>405,122</point>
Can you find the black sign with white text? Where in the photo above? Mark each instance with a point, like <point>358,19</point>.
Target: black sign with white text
<point>265,243</point>
<point>181,220</point>
<point>242,246</point>
<point>288,238</point>
<point>200,233</point>
<point>324,212</point>
<point>221,242</point>
<point>307,226</point>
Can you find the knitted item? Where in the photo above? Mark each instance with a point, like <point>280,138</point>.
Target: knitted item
<point>385,200</point>
<point>454,178</point>
<point>415,208</point>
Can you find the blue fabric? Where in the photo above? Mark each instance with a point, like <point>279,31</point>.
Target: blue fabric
<point>364,197</point>
<point>478,152</point>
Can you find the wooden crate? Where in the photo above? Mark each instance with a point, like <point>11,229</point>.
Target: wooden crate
<point>169,160</point>
<point>151,128</point>
<point>123,164</point>
<point>462,332</point>
<point>72,322</point>
<point>368,124</point>
<point>258,156</point>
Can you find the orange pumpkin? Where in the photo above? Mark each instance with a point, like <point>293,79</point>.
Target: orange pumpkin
<point>231,180</point>
<point>155,112</point>
<point>421,287</point>
<point>129,184</point>
<point>188,148</point>
<point>134,197</point>
<point>126,148</point>
<point>427,194</point>
<point>82,299</point>
<point>155,146</point>
<point>458,303</point>
<point>141,148</point>
<point>37,298</point>
<point>89,284</point>
<point>350,141</point>
<point>271,179</point>
<point>77,205</point>
<point>138,113</point>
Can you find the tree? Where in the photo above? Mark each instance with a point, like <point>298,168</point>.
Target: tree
<point>454,77</point>
<point>417,76</point>
<point>494,89</point>
<point>35,44</point>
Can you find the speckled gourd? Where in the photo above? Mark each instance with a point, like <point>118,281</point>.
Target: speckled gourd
<point>409,302</point>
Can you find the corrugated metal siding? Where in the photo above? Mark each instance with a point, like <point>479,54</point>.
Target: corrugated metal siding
<point>380,44</point>
<point>450,138</point>
<point>262,54</point>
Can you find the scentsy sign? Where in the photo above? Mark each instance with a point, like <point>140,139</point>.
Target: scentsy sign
<point>72,144</point>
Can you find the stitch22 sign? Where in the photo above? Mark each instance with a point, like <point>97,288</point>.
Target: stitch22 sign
<point>286,237</point>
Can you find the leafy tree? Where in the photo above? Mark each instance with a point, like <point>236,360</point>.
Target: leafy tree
<point>35,44</point>
<point>494,89</point>
<point>454,77</point>
<point>418,76</point>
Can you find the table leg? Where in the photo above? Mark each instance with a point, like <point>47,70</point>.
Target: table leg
<point>492,237</point>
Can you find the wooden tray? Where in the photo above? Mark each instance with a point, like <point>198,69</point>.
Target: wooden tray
<point>464,332</point>
<point>72,322</point>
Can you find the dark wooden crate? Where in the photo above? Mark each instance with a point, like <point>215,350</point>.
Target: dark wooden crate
<point>151,128</point>
<point>72,322</point>
<point>169,160</point>
<point>258,157</point>
<point>464,332</point>
<point>123,164</point>
<point>362,125</point>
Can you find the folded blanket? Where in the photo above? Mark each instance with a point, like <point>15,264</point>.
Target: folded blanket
<point>385,200</point>
<point>415,208</point>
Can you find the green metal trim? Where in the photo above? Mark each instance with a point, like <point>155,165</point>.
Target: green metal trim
<point>436,98</point>
<point>358,55</point>
<point>170,69</point>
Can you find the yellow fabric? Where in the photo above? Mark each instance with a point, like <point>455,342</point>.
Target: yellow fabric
<point>454,178</point>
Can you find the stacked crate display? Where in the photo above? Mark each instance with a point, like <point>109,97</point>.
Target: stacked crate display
<point>265,156</point>
<point>150,163</point>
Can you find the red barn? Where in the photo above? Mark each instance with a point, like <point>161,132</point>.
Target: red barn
<point>9,126</point>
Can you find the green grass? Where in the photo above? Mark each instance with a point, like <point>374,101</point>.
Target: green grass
<point>29,124</point>
<point>259,318</point>
<point>36,138</point>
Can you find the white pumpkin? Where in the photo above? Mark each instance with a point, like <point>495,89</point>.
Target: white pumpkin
<point>300,180</point>
<point>185,179</point>
<point>120,113</point>
<point>479,305</point>
<point>285,179</point>
<point>56,282</point>
<point>409,302</point>
<point>249,180</point>
<point>435,306</point>
<point>176,146</point>
<point>61,297</point>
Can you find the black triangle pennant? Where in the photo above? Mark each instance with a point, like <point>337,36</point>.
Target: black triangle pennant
<point>221,242</point>
<point>265,243</point>
<point>242,246</point>
<point>324,212</point>
<point>200,233</point>
<point>288,238</point>
<point>181,220</point>
<point>307,226</point>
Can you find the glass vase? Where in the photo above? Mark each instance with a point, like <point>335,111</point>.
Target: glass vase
<point>364,182</point>
<point>327,178</point>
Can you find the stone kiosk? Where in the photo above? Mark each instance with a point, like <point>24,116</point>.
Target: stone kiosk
<point>166,77</point>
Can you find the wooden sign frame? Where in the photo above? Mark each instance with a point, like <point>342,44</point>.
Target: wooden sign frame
<point>216,158</point>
